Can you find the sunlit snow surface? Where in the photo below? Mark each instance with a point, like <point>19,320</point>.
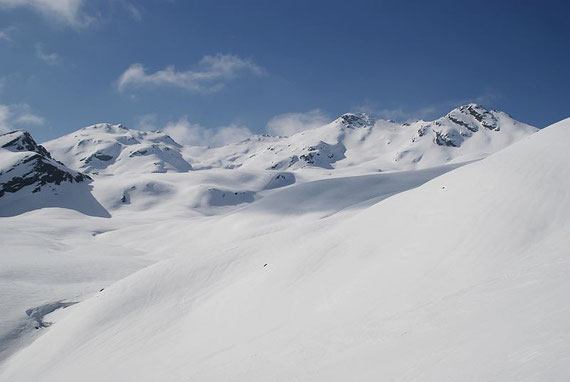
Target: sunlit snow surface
<point>300,273</point>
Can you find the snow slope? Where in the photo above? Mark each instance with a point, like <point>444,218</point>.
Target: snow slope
<point>463,278</point>
<point>51,256</point>
<point>56,255</point>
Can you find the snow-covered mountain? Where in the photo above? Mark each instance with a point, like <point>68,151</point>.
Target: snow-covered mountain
<point>137,171</point>
<point>24,163</point>
<point>30,178</point>
<point>462,278</point>
<point>355,141</point>
<point>122,160</point>
<point>28,168</point>
<point>104,148</point>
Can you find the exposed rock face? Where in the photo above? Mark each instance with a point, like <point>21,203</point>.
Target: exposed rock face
<point>449,138</point>
<point>356,120</point>
<point>24,163</point>
<point>464,122</point>
<point>20,140</point>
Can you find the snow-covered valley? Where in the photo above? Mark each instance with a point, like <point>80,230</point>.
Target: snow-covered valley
<point>359,250</point>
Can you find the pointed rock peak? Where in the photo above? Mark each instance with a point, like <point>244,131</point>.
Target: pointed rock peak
<point>472,108</point>
<point>472,115</point>
<point>21,140</point>
<point>32,166</point>
<point>475,110</point>
<point>356,120</point>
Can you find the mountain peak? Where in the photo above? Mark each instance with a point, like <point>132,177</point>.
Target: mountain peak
<point>106,147</point>
<point>21,140</point>
<point>25,163</point>
<point>472,116</point>
<point>355,120</point>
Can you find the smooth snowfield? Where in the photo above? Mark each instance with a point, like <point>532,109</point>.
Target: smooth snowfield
<point>463,278</point>
<point>51,255</point>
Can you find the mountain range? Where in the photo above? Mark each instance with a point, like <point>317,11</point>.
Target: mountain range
<point>353,144</point>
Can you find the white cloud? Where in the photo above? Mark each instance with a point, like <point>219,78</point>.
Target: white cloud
<point>403,115</point>
<point>17,116</point>
<point>147,122</point>
<point>5,124</point>
<point>292,123</point>
<point>49,58</point>
<point>230,134</point>
<point>210,75</point>
<point>435,110</point>
<point>188,133</point>
<point>66,12</point>
<point>29,119</point>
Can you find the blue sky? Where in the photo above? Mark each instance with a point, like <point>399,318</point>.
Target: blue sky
<point>215,71</point>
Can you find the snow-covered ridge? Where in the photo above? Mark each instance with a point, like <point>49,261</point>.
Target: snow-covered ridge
<point>362,144</point>
<point>352,141</point>
<point>105,148</point>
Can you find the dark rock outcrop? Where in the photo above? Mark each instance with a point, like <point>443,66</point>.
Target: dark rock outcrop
<point>32,166</point>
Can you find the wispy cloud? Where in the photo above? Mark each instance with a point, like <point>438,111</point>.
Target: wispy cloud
<point>401,114</point>
<point>5,34</point>
<point>18,116</point>
<point>49,58</point>
<point>147,122</point>
<point>211,74</point>
<point>427,112</point>
<point>134,11</point>
<point>292,123</point>
<point>63,12</point>
<point>185,132</point>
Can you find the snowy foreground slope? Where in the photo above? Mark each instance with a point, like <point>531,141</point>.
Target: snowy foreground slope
<point>462,278</point>
<point>58,255</point>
